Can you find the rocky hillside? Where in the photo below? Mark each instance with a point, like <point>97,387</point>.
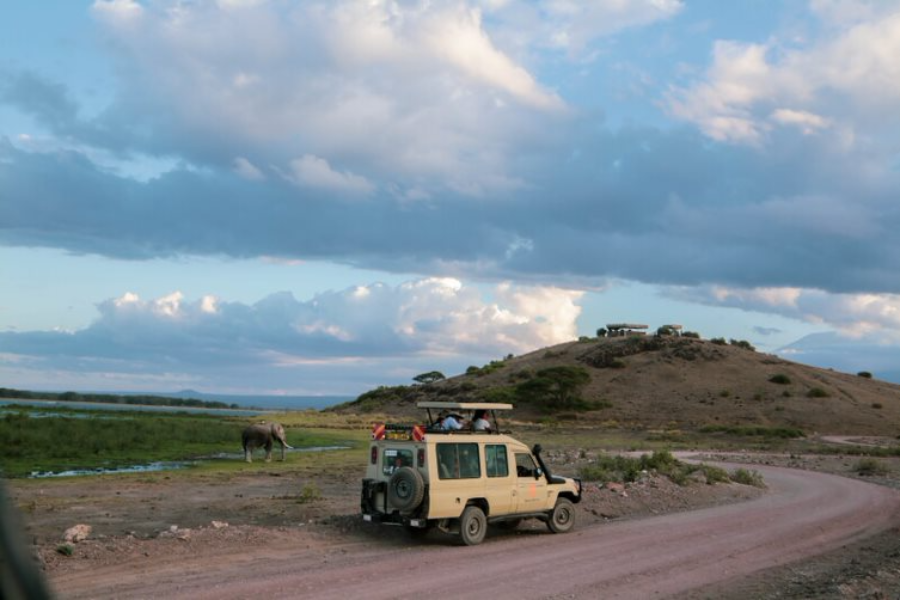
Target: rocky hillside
<point>663,382</point>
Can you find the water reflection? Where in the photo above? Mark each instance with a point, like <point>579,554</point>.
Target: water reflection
<point>163,465</point>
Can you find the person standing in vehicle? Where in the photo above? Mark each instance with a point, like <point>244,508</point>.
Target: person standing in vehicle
<point>451,422</point>
<point>480,422</point>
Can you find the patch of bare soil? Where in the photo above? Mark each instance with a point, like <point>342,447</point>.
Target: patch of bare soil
<point>160,523</point>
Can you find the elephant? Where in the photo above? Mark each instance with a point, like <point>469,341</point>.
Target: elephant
<point>263,435</point>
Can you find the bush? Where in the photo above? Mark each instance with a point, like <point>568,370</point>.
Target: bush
<point>868,467</point>
<point>719,341</point>
<point>817,393</point>
<point>755,431</point>
<point>691,334</point>
<point>714,475</point>
<point>743,344</point>
<point>877,405</point>
<point>65,549</point>
<point>780,379</point>
<point>747,477</point>
<point>309,493</point>
<point>864,374</point>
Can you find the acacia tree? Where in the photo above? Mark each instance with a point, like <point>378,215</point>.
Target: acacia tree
<point>429,377</point>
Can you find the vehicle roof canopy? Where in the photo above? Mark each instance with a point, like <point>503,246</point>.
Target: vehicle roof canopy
<point>465,405</point>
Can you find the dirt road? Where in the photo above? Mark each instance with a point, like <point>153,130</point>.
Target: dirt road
<point>803,514</point>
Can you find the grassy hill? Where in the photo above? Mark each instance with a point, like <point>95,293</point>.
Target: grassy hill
<point>668,382</point>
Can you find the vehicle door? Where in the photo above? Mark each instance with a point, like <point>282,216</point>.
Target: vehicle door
<point>531,487</point>
<point>458,478</point>
<point>500,481</point>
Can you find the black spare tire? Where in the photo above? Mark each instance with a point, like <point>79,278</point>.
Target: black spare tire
<point>406,489</point>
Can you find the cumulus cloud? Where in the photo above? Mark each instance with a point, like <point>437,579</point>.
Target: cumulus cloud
<point>847,77</point>
<point>411,89</point>
<point>440,320</point>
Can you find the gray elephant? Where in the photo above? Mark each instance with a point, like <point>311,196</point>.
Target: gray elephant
<point>263,435</point>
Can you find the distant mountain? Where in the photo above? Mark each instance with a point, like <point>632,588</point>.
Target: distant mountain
<point>844,354</point>
<point>664,383</point>
<point>263,401</point>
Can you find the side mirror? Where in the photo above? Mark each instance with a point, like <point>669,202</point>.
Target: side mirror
<point>537,473</point>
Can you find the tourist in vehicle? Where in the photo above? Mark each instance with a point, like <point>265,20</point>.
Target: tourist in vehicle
<point>450,422</point>
<point>480,422</point>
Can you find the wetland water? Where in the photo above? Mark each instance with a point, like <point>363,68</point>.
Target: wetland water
<point>5,403</point>
<point>163,465</point>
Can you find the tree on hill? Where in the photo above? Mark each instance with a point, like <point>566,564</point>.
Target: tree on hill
<point>561,386</point>
<point>429,377</point>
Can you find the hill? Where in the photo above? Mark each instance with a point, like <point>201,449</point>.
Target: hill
<point>662,382</point>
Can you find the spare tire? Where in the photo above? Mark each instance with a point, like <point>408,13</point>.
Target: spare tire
<point>406,489</point>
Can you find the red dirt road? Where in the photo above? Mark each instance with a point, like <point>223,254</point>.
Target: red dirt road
<point>803,514</point>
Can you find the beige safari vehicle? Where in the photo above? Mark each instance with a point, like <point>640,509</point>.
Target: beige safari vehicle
<point>462,480</point>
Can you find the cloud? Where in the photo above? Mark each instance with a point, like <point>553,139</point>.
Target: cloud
<point>316,172</point>
<point>412,90</point>
<point>845,78</point>
<point>436,321</point>
<point>875,317</point>
<point>247,170</point>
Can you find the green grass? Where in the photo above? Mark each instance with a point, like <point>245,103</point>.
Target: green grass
<point>108,439</point>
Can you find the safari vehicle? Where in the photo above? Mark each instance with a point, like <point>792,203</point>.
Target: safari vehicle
<point>459,481</point>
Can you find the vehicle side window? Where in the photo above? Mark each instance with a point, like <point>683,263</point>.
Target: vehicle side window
<point>497,462</point>
<point>394,458</point>
<point>525,466</point>
<point>458,461</point>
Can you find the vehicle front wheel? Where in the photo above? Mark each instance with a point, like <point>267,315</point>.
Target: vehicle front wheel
<point>472,526</point>
<point>562,518</point>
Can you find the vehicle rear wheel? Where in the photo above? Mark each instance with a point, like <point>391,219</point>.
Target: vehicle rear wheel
<point>406,489</point>
<point>562,518</point>
<point>472,526</point>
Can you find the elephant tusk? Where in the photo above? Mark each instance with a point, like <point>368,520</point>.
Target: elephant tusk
<point>288,446</point>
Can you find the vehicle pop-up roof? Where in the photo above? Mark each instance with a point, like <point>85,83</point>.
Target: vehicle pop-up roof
<point>452,407</point>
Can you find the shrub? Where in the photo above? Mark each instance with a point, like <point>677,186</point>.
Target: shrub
<point>691,334</point>
<point>309,493</point>
<point>714,474</point>
<point>748,477</point>
<point>877,405</point>
<point>719,341</point>
<point>617,363</point>
<point>472,370</point>
<point>755,431</point>
<point>817,393</point>
<point>864,374</point>
<point>65,549</point>
<point>780,379</point>
<point>743,344</point>
<point>870,467</point>
<point>556,388</point>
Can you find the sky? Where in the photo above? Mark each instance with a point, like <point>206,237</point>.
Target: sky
<point>322,197</point>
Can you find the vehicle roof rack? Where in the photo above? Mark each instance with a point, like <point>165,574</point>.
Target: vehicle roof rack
<point>465,405</point>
